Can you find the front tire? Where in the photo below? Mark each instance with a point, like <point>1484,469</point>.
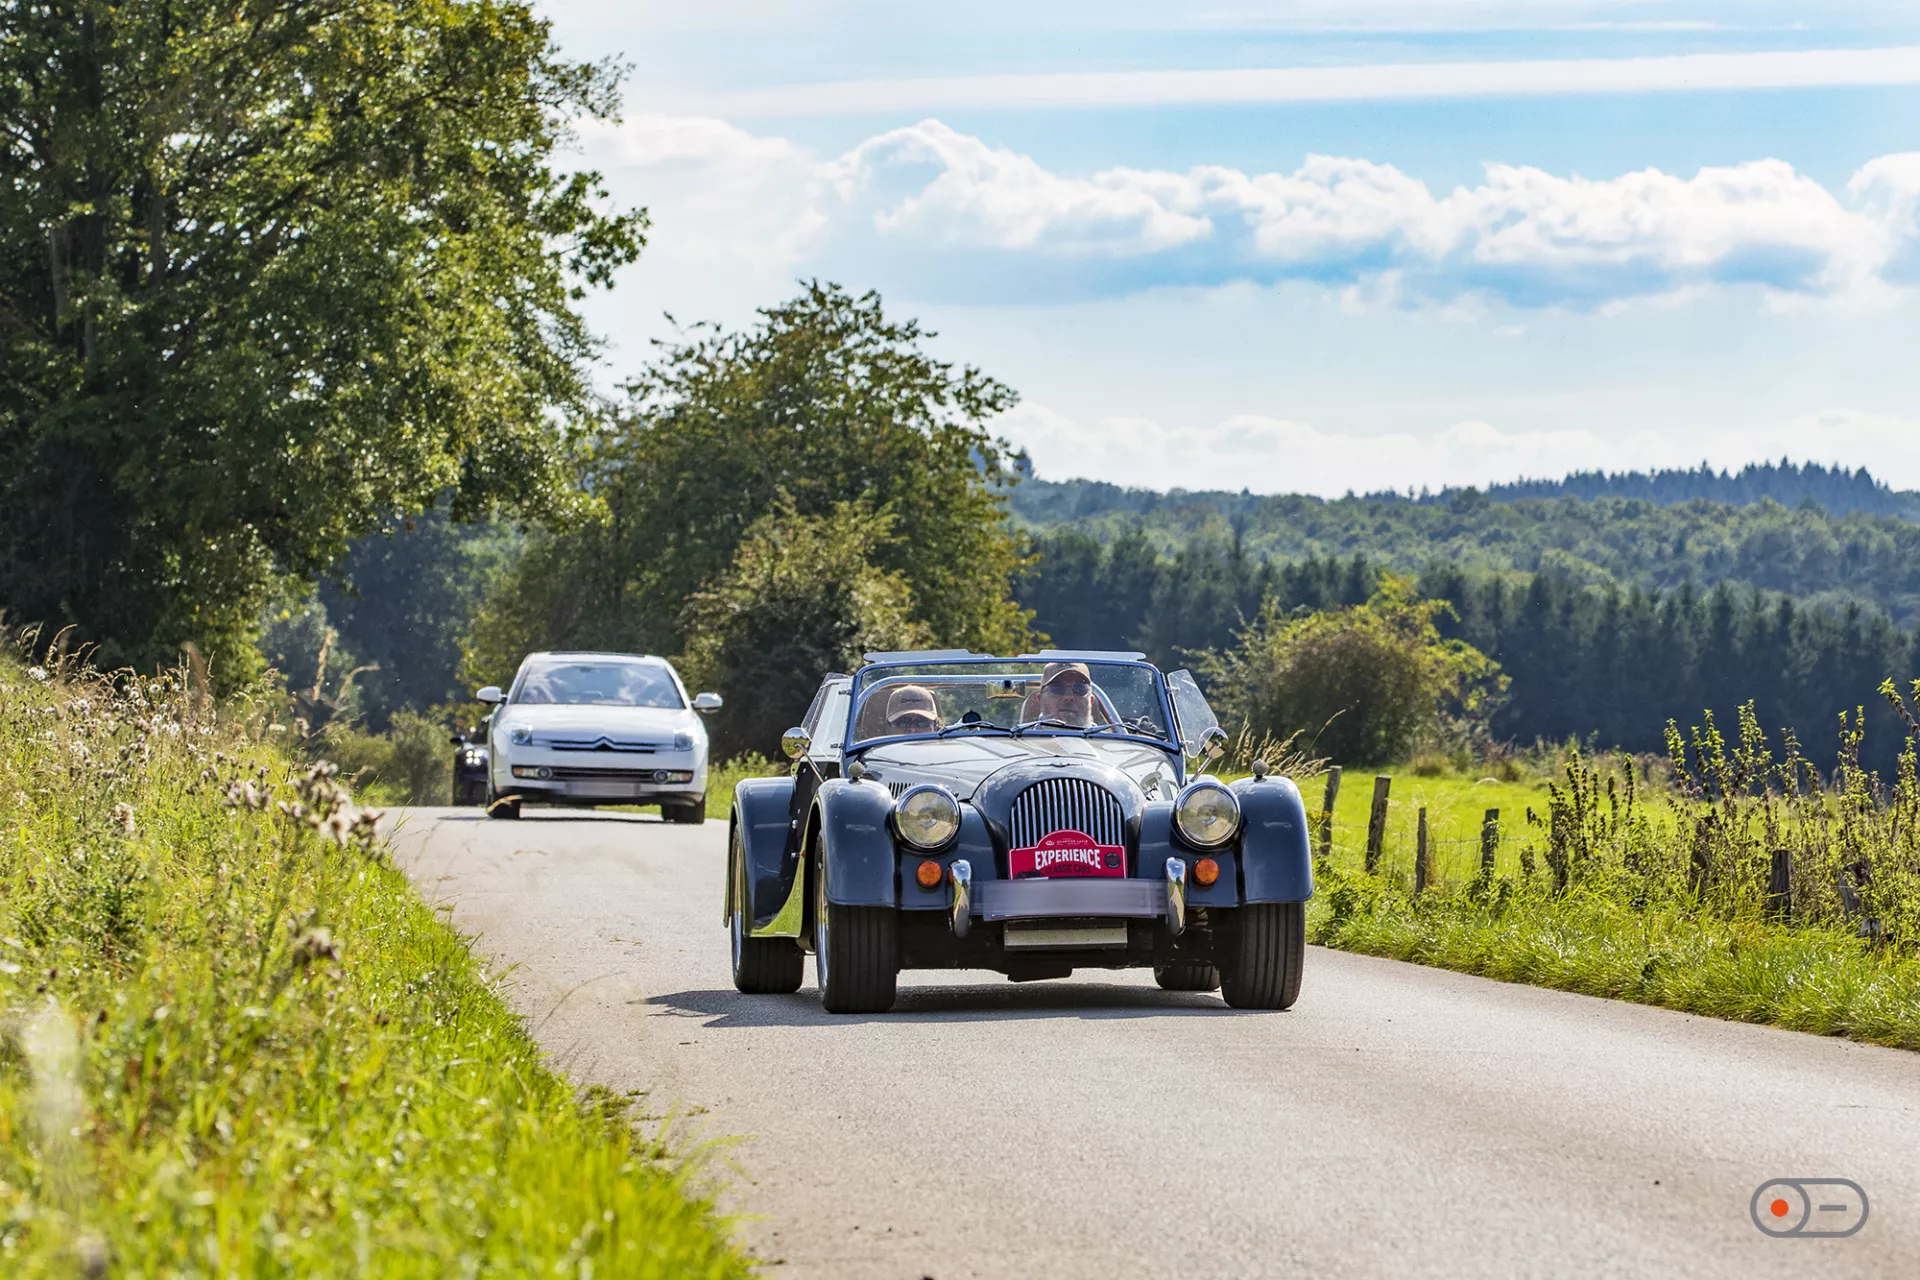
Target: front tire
<point>689,814</point>
<point>761,966</point>
<point>1187,975</point>
<point>1265,955</point>
<point>501,807</point>
<point>856,952</point>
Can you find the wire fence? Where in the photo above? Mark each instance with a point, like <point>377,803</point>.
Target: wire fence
<point>1453,855</point>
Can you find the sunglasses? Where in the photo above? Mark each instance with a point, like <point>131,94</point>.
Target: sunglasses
<point>1070,688</point>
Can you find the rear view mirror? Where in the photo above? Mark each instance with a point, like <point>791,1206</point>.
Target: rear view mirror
<point>795,743</point>
<point>708,702</point>
<point>491,694</point>
<point>458,739</point>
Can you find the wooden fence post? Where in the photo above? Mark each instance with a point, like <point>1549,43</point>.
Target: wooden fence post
<point>1489,842</point>
<point>1377,822</point>
<point>1326,812</point>
<point>1780,885</point>
<point>1421,870</point>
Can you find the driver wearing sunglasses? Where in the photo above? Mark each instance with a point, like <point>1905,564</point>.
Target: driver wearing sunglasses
<point>1066,694</point>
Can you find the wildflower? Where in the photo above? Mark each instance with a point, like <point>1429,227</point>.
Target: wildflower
<point>38,673</point>
<point>315,944</point>
<point>123,818</point>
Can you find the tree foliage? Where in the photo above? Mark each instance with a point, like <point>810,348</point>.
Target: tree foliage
<point>274,273</point>
<point>1360,682</point>
<point>1802,551</point>
<point>803,597</point>
<point>825,401</point>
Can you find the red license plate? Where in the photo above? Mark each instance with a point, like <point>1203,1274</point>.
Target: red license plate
<point>1067,853</point>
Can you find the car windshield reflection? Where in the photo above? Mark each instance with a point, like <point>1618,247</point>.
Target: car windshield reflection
<point>1016,698</point>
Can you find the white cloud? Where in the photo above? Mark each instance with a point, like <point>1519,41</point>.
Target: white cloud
<point>1680,73</point>
<point>1272,455</point>
<point>949,212</point>
<point>984,195</point>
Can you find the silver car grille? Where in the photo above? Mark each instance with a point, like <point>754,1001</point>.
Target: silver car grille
<point>1065,804</point>
<point>602,743</point>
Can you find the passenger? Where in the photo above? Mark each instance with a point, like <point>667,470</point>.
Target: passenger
<point>912,709</point>
<point>1066,695</point>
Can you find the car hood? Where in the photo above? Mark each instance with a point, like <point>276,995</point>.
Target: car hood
<point>574,723</point>
<point>962,764</point>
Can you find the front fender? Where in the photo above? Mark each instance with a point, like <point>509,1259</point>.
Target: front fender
<point>1276,865</point>
<point>856,843</point>
<point>763,825</point>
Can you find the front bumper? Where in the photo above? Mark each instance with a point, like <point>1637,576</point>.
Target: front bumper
<point>564,777</point>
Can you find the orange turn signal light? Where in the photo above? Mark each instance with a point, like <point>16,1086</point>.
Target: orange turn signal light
<point>929,874</point>
<point>1206,871</point>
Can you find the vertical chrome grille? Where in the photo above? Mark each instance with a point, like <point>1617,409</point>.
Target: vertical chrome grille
<point>1066,804</point>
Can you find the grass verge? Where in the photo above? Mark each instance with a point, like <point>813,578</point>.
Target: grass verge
<point>1820,980</point>
<point>233,1042</point>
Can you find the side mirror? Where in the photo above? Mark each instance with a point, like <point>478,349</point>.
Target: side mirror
<point>795,742</point>
<point>1213,743</point>
<point>491,694</point>
<point>458,739</point>
<point>708,702</point>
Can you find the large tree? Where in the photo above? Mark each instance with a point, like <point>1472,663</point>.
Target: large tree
<point>826,401</point>
<point>273,274</point>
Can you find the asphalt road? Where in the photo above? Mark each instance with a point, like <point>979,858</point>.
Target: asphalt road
<point>1399,1121</point>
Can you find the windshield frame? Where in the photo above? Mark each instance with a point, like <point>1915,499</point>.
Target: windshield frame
<point>862,677</point>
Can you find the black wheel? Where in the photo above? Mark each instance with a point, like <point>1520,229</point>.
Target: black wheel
<point>1267,950</point>
<point>761,966</point>
<point>499,807</point>
<point>1187,975</point>
<point>692,814</point>
<point>856,956</point>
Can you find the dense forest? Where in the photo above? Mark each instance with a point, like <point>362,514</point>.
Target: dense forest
<point>1803,551</point>
<point>1586,660</point>
<point>1790,484</point>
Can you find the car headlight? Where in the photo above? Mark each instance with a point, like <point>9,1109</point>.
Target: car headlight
<point>520,735</point>
<point>1207,814</point>
<point>927,816</point>
<point>683,742</point>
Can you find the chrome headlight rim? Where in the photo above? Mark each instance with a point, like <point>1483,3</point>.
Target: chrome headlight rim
<point>926,788</point>
<point>1194,789</point>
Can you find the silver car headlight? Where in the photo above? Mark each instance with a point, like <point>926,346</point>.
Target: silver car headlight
<point>926,816</point>
<point>1207,814</point>
<point>683,742</point>
<point>520,735</point>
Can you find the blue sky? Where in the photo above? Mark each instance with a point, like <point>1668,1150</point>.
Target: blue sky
<point>1311,246</point>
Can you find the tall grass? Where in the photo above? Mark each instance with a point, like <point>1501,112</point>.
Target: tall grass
<point>1751,885</point>
<point>232,1042</point>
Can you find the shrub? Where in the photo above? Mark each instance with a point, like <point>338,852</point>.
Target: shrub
<point>412,763</point>
<point>1362,683</point>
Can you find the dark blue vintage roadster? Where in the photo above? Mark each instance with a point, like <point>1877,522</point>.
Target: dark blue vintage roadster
<point>1031,815</point>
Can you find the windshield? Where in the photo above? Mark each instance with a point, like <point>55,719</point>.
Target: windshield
<point>600,684</point>
<point>1010,696</point>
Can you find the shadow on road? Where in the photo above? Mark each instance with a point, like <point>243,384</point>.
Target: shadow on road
<point>728,1008</point>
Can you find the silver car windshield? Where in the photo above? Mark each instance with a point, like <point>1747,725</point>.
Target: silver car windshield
<point>1016,696</point>
<point>600,684</point>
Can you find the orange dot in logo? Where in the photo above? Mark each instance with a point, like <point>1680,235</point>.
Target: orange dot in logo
<point>1779,1208</point>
